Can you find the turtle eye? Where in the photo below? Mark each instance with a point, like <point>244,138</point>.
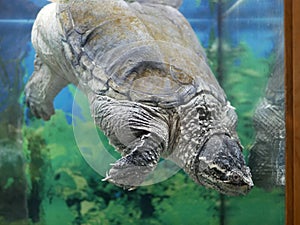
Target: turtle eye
<point>203,112</point>
<point>235,178</point>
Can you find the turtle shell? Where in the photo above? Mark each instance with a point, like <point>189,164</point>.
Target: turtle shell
<point>116,51</point>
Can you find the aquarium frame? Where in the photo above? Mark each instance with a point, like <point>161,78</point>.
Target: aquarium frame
<point>292,90</point>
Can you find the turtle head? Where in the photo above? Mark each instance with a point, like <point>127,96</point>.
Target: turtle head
<point>220,164</point>
<point>210,149</point>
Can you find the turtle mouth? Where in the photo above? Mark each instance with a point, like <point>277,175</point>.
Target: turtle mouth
<point>242,188</point>
<point>225,187</point>
<point>233,190</point>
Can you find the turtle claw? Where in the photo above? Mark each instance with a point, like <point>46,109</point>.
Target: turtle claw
<point>129,172</point>
<point>107,178</point>
<point>40,108</point>
<point>128,176</point>
<point>132,188</point>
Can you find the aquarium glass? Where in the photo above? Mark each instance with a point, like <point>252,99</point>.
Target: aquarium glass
<point>51,171</point>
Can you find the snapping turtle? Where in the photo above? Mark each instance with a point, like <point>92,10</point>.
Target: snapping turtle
<point>267,155</point>
<point>148,84</point>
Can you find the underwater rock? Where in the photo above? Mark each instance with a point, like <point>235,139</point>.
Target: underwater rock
<point>149,87</point>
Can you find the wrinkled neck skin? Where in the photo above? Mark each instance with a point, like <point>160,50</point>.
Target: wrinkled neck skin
<point>200,119</point>
<point>208,148</point>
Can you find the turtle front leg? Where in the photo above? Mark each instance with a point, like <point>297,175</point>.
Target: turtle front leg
<point>132,169</point>
<point>41,89</point>
<point>139,132</point>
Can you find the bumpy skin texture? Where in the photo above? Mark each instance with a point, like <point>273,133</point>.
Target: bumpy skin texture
<point>267,155</point>
<point>149,87</point>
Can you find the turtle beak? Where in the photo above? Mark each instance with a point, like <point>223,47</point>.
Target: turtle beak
<point>247,177</point>
<point>246,182</point>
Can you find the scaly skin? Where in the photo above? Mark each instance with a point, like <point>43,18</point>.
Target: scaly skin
<point>267,155</point>
<point>149,87</point>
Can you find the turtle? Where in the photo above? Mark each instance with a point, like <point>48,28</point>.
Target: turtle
<point>267,154</point>
<point>148,84</point>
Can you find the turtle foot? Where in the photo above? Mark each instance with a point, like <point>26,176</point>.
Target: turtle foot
<point>40,109</point>
<point>129,172</point>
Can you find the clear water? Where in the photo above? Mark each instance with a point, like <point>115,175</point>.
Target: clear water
<point>43,176</point>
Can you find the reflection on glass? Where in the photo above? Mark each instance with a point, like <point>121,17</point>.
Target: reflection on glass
<point>267,156</point>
